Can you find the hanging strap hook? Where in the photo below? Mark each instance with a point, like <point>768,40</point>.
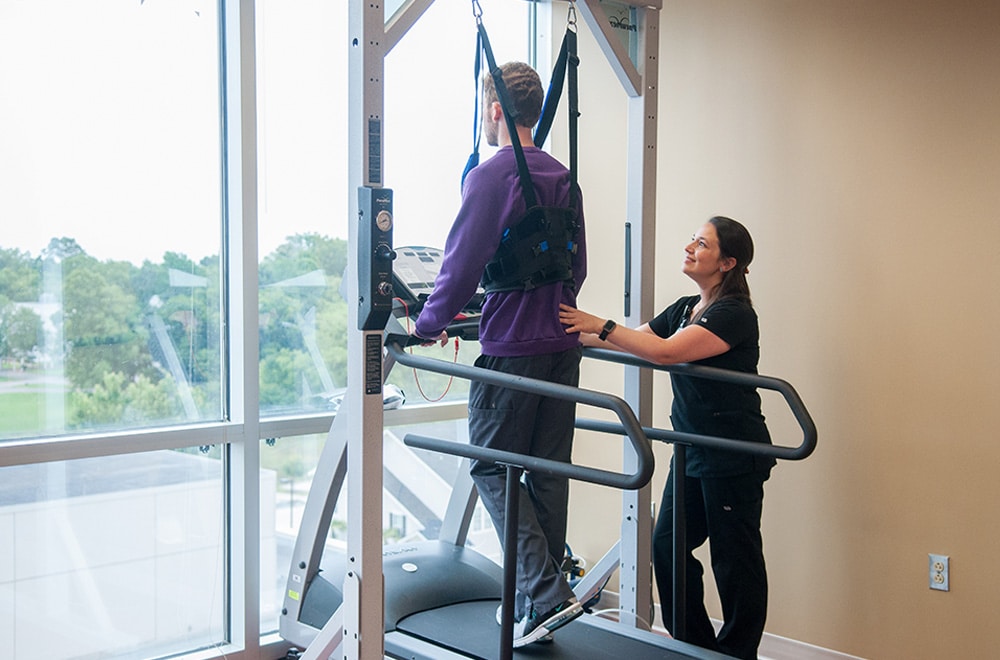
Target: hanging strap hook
<point>477,10</point>
<point>571,16</point>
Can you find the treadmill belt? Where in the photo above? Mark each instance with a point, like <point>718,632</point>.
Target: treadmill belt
<point>471,629</point>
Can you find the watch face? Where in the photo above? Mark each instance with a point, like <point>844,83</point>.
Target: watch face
<point>383,220</point>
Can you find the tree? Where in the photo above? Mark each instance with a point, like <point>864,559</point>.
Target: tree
<point>282,308</point>
<point>20,333</point>
<point>331,333</point>
<point>20,276</point>
<point>103,326</point>
<point>115,401</point>
<point>107,309</point>
<point>302,253</point>
<point>62,249</point>
<point>284,376</point>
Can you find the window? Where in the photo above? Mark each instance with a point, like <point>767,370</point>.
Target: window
<point>112,289</point>
<point>304,199</point>
<point>124,552</point>
<point>110,203</point>
<point>304,206</point>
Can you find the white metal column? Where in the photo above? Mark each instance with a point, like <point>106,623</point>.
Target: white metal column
<point>363,592</point>
<point>371,38</point>
<point>628,33</point>
<point>243,453</point>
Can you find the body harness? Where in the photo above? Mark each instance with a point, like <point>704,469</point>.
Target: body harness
<point>539,248</point>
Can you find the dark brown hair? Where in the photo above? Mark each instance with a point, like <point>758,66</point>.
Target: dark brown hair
<point>735,242</point>
<point>524,88</point>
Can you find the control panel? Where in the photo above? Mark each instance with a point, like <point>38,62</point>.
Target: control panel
<point>375,256</point>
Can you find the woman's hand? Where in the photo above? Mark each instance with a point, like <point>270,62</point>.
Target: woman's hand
<point>577,320</point>
<point>688,344</point>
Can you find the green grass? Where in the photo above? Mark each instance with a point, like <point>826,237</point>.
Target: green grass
<point>21,413</point>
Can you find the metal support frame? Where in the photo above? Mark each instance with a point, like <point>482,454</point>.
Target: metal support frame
<point>242,454</point>
<point>636,67</point>
<point>363,613</point>
<point>371,38</point>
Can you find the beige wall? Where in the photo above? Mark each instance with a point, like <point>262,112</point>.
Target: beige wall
<point>860,142</point>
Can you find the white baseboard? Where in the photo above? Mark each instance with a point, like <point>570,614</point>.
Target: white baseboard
<point>772,647</point>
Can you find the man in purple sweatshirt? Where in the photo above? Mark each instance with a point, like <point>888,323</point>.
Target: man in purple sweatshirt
<point>519,333</point>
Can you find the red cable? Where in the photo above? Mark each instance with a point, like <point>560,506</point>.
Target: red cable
<point>416,378</point>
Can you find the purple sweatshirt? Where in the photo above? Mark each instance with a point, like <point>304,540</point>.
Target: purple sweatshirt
<point>514,323</point>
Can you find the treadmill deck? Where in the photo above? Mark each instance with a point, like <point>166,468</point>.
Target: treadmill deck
<point>470,630</point>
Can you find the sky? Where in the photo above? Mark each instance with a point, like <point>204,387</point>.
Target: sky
<point>108,150</point>
<point>113,116</point>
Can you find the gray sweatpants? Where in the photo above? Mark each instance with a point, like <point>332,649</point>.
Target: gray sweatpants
<point>539,426</point>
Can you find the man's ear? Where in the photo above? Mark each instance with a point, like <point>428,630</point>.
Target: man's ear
<point>496,111</point>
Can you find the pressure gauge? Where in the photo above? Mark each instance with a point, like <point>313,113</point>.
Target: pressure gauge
<point>383,220</point>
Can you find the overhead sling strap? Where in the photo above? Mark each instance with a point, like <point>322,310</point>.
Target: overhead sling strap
<point>473,160</point>
<point>539,248</point>
<point>510,116</point>
<point>566,67</point>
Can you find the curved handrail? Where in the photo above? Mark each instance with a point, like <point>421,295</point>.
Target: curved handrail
<point>795,404</point>
<point>639,437</point>
<point>629,424</point>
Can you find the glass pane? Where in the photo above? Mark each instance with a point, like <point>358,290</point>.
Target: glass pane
<point>430,107</point>
<point>303,204</point>
<point>304,196</point>
<point>118,557</point>
<point>110,206</point>
<point>287,466</point>
<point>624,21</point>
<point>417,485</point>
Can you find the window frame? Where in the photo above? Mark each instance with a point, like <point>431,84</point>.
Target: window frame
<point>241,431</point>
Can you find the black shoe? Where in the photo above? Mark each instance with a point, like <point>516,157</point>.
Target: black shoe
<point>535,626</point>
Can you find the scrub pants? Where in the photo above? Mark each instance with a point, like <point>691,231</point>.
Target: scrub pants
<point>725,511</point>
<point>515,421</point>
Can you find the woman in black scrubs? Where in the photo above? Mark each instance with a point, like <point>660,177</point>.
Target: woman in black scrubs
<point>724,490</point>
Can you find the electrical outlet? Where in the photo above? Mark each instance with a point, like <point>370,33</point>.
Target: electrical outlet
<point>938,566</point>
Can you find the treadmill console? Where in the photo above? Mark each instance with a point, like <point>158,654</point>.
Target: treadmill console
<point>414,270</point>
<point>413,274</point>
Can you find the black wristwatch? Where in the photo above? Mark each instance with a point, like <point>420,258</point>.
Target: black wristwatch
<point>609,325</point>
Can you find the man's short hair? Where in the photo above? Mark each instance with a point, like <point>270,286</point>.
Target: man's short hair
<point>525,90</point>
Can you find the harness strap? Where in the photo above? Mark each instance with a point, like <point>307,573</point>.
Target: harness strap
<point>552,96</point>
<point>574,102</point>
<point>567,65</point>
<point>509,113</point>
<point>473,160</point>
<point>538,250</point>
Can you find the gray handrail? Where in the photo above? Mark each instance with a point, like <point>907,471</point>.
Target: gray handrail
<point>795,404</point>
<point>630,426</point>
<point>639,436</point>
<point>680,440</point>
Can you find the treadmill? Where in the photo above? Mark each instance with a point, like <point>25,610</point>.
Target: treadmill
<point>440,596</point>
